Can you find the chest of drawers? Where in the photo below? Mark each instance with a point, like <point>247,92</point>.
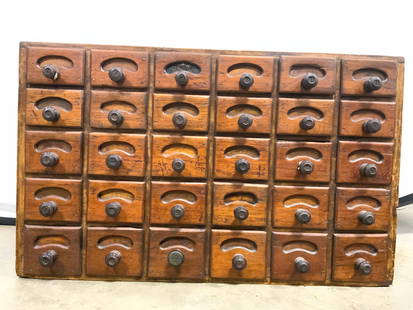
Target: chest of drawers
<point>149,164</point>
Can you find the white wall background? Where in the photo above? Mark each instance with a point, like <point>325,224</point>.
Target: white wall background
<point>353,27</point>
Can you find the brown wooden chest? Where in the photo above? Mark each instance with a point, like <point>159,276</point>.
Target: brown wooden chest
<point>141,163</point>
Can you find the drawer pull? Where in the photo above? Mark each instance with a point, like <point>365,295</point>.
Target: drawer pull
<point>366,217</point>
<point>309,81</point>
<point>302,265</point>
<point>115,117</point>
<point>307,123</point>
<point>245,121</point>
<point>48,258</point>
<point>373,83</point>
<point>372,126</point>
<point>239,262</point>
<point>305,167</point>
<point>48,208</point>
<point>177,211</point>
<point>368,170</point>
<point>116,75</point>
<point>303,216</point>
<point>51,72</point>
<point>363,266</point>
<point>50,114</point>
<point>181,78</point>
<point>179,120</point>
<point>241,213</point>
<point>246,80</point>
<point>242,165</point>
<point>113,209</point>
<point>176,258</point>
<point>49,159</point>
<point>113,258</point>
<point>113,161</point>
<point>178,165</point>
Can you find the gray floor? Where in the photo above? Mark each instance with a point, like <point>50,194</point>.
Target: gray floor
<point>31,294</point>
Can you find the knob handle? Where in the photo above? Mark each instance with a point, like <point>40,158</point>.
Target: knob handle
<point>302,265</point>
<point>373,83</point>
<point>48,258</point>
<point>49,159</point>
<point>115,117</point>
<point>113,161</point>
<point>368,170</point>
<point>48,208</point>
<point>176,258</point>
<point>181,78</point>
<point>51,72</point>
<point>305,167</point>
<point>303,216</point>
<point>241,213</point>
<point>363,266</point>
<point>242,165</point>
<point>366,217</point>
<point>309,81</point>
<point>246,80</point>
<point>50,114</point>
<point>245,121</point>
<point>113,209</point>
<point>178,165</point>
<point>372,126</point>
<point>179,120</point>
<point>178,211</point>
<point>116,75</point>
<point>307,123</point>
<point>239,262</point>
<point>113,258</point>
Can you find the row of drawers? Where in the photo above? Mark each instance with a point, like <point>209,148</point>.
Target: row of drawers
<point>192,71</point>
<point>116,154</point>
<point>180,254</point>
<point>233,204</point>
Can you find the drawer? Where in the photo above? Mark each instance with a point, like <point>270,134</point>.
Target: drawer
<point>183,71</point>
<point>367,118</point>
<point>56,66</point>
<point>312,117</point>
<point>238,254</point>
<point>241,158</point>
<point>176,253</point>
<point>299,256</point>
<point>245,74</point>
<point>180,112</point>
<point>303,161</point>
<point>362,209</point>
<point>114,251</point>
<point>369,77</point>
<point>360,258</point>
<point>243,114</point>
<point>308,75</point>
<point>53,200</point>
<point>53,152</point>
<point>179,156</point>
<point>58,107</point>
<point>113,109</point>
<point>300,207</point>
<point>52,251</point>
<point>364,162</point>
<point>240,204</point>
<point>115,202</point>
<point>117,154</point>
<point>178,203</point>
<point>119,68</point>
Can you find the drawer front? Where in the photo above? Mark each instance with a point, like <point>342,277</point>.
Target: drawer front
<point>60,108</point>
<point>308,75</point>
<point>113,109</point>
<point>312,117</point>
<point>238,254</point>
<point>367,118</point>
<point>176,253</point>
<point>178,203</point>
<point>183,71</point>
<point>303,161</point>
<point>360,258</point>
<point>180,112</point>
<point>117,154</point>
<point>245,74</point>
<point>240,204</point>
<point>115,202</point>
<point>114,251</point>
<point>244,115</point>
<point>52,251</point>
<point>53,200</point>
<point>53,152</point>
<point>364,162</point>
<point>299,256</point>
<point>55,66</point>
<point>119,68</point>
<point>241,158</point>
<point>179,156</point>
<point>369,78</point>
<point>362,209</point>
<point>300,207</point>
